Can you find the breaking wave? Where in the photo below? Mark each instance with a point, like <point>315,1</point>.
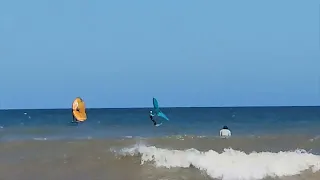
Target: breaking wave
<point>230,164</point>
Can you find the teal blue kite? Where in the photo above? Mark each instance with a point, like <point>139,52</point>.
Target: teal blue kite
<point>157,110</point>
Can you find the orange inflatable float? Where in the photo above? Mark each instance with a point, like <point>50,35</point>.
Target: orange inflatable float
<point>79,109</point>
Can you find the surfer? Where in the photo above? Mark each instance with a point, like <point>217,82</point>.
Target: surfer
<point>78,110</point>
<point>225,132</point>
<point>73,117</point>
<point>75,108</point>
<point>151,118</point>
<point>157,112</point>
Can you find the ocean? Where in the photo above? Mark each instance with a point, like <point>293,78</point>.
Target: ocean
<point>267,143</point>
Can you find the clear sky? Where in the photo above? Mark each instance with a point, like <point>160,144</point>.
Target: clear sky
<point>121,53</point>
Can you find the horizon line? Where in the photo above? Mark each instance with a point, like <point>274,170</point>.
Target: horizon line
<point>166,107</point>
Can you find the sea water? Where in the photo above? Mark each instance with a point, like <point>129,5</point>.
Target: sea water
<point>266,143</point>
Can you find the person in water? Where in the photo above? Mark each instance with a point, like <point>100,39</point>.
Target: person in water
<point>151,118</point>
<point>76,108</point>
<point>73,117</point>
<point>225,132</point>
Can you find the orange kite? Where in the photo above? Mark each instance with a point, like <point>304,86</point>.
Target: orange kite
<point>79,109</point>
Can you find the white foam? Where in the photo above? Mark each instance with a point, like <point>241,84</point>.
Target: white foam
<point>230,164</point>
<point>40,139</point>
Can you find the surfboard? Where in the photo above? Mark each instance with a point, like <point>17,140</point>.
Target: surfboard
<point>157,125</point>
<point>79,104</point>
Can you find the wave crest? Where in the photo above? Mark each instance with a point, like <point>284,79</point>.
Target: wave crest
<point>229,164</point>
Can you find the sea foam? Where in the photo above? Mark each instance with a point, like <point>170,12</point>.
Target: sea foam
<point>229,164</point>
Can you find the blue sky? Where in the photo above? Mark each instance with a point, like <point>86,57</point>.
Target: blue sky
<point>184,52</point>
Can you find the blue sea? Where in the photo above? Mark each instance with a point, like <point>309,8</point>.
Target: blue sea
<point>281,143</point>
